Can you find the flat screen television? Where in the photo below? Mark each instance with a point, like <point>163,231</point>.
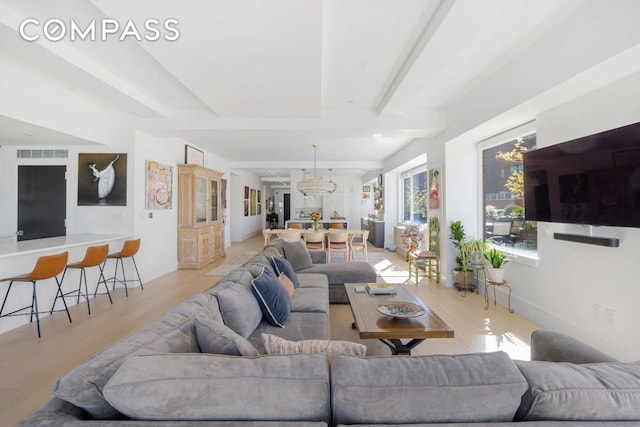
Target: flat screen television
<point>591,180</point>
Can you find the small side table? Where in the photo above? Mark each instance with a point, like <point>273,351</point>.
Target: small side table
<point>425,259</point>
<point>486,293</point>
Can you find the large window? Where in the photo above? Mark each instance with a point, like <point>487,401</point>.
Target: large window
<point>503,189</point>
<point>415,195</point>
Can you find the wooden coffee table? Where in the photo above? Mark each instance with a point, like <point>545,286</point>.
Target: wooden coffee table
<point>372,324</point>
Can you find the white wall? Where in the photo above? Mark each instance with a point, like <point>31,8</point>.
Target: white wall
<point>588,291</point>
<point>244,227</point>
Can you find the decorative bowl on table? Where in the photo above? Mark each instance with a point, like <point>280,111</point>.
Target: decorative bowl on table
<point>400,309</point>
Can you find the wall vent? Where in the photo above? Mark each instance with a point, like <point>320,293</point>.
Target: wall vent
<point>43,154</point>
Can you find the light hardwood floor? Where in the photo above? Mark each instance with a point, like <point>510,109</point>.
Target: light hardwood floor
<point>29,366</point>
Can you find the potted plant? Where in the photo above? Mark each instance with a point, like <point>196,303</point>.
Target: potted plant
<point>470,254</point>
<point>496,260</point>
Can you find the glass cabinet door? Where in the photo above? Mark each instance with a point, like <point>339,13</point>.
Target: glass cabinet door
<point>214,200</point>
<point>201,199</point>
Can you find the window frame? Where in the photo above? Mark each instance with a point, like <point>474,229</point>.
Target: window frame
<point>529,258</point>
<point>404,175</point>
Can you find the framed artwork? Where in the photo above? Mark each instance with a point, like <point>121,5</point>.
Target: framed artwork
<point>259,208</point>
<point>223,193</point>
<point>193,156</point>
<point>159,185</point>
<point>366,189</point>
<point>435,188</point>
<point>253,202</point>
<point>246,192</point>
<point>246,207</point>
<point>102,179</point>
<point>259,196</point>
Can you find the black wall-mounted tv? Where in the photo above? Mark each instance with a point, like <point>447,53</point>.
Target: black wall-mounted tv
<point>592,180</point>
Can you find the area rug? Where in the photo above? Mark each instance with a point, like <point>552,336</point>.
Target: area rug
<point>231,263</point>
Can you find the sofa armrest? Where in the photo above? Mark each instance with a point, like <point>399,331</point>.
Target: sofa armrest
<point>318,257</point>
<point>55,412</point>
<point>552,346</point>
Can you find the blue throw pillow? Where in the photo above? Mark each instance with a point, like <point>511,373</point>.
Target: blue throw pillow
<point>274,300</point>
<point>281,265</point>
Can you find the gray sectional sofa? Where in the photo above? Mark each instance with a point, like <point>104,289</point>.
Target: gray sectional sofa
<point>202,364</point>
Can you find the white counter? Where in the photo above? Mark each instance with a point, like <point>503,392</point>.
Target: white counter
<point>37,246</point>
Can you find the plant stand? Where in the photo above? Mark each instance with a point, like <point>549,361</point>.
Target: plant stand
<point>486,293</point>
<point>475,283</point>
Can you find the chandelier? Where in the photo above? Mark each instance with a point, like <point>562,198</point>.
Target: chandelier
<point>315,185</point>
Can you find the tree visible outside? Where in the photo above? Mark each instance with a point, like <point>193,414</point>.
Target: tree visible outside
<point>515,182</point>
<point>503,186</point>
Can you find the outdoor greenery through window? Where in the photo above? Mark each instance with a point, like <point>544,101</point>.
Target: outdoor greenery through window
<point>415,195</point>
<point>503,189</point>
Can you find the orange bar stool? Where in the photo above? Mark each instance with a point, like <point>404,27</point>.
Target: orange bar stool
<point>47,267</point>
<point>95,256</point>
<point>129,249</point>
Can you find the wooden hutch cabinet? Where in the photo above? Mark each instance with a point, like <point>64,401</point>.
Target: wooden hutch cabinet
<point>200,227</point>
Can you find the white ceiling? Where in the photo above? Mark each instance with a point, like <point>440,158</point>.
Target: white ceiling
<point>259,81</point>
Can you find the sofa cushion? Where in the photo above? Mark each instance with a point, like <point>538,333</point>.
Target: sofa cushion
<point>281,265</point>
<point>300,326</point>
<point>483,387</point>
<point>272,297</point>
<point>297,254</point>
<point>238,306</point>
<point>215,387</point>
<point>277,244</point>
<point>314,281</point>
<point>276,345</point>
<point>255,264</point>
<point>343,272</point>
<point>172,333</point>
<point>216,338</point>
<point>310,300</point>
<point>565,391</point>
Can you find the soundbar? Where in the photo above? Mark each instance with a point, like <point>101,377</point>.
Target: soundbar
<point>600,241</point>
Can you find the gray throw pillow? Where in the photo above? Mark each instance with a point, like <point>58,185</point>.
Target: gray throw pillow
<point>297,255</point>
<point>238,307</point>
<point>216,338</point>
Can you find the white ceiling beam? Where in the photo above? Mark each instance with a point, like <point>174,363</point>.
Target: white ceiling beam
<point>430,29</point>
<point>68,53</point>
<point>427,119</point>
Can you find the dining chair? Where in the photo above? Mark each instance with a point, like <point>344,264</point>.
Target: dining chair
<point>337,226</point>
<point>47,267</point>
<point>291,235</point>
<point>94,256</point>
<point>314,240</point>
<point>359,242</point>
<point>296,225</point>
<point>338,241</point>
